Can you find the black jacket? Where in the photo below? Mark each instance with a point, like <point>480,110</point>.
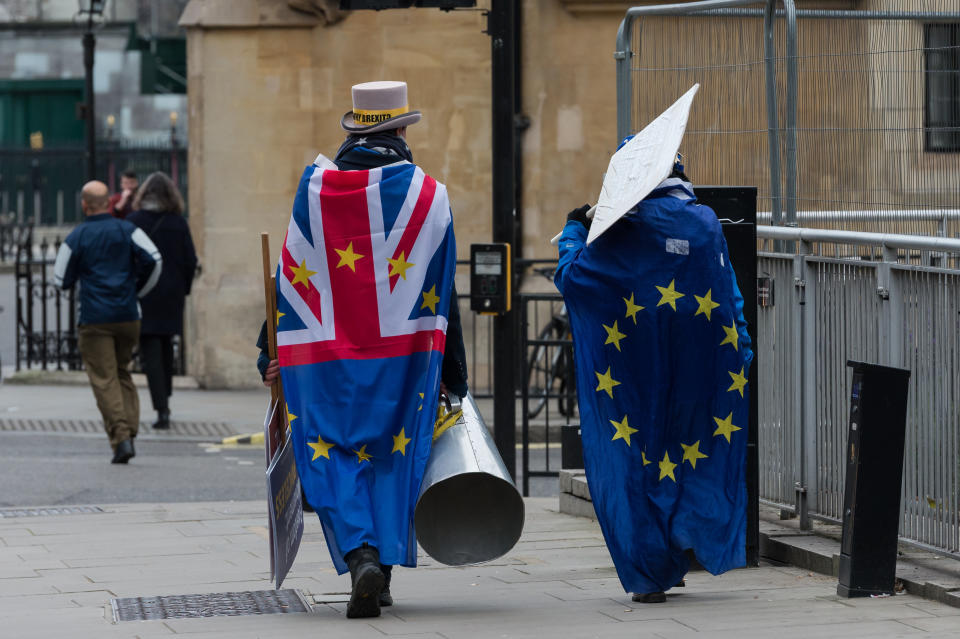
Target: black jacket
<point>163,306</point>
<point>454,368</point>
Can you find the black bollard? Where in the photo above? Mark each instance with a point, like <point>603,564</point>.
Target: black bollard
<point>874,471</point>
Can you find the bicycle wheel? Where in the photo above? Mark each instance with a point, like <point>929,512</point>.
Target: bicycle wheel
<point>566,373</point>
<point>539,377</point>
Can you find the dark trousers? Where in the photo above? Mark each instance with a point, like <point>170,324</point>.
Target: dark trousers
<point>156,357</point>
<point>106,350</point>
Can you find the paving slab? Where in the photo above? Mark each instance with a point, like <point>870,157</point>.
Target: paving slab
<point>557,582</point>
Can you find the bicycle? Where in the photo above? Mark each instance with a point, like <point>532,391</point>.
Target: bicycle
<point>544,373</point>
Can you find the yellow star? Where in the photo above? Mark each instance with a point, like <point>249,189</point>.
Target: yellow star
<point>430,299</point>
<point>320,449</point>
<point>399,266</point>
<point>632,308</point>
<point>302,274</point>
<point>666,467</point>
<point>362,454</point>
<point>706,304</point>
<point>725,427</point>
<point>279,315</point>
<point>669,296</point>
<point>420,407</point>
<point>290,417</point>
<point>348,257</point>
<point>643,458</point>
<point>623,430</point>
<point>613,335</point>
<point>739,381</point>
<point>732,337</point>
<point>692,453</point>
<point>400,443</point>
<point>606,382</point>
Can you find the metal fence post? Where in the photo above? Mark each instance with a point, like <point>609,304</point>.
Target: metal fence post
<point>888,287</point>
<point>773,127</point>
<point>804,340</point>
<point>793,93</point>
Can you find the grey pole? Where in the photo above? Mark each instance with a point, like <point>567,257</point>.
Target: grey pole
<point>502,30</point>
<point>792,97</point>
<point>89,42</point>
<point>773,127</point>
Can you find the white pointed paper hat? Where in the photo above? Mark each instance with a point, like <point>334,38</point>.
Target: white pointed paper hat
<point>641,164</point>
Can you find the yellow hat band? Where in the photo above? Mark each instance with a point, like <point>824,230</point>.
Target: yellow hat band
<point>369,118</point>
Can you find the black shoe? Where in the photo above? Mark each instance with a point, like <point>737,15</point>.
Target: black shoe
<point>307,508</point>
<point>650,597</point>
<point>163,420</point>
<point>682,584</point>
<point>124,452</point>
<point>367,580</point>
<point>386,599</point>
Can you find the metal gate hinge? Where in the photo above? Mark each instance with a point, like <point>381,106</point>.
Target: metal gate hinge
<point>883,292</point>
<point>620,55</point>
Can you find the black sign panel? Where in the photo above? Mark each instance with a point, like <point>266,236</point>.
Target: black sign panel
<point>736,208</point>
<point>286,510</point>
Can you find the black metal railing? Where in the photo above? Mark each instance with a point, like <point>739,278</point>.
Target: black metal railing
<point>45,314</point>
<point>42,186</point>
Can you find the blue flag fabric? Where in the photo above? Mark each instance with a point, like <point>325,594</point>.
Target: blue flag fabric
<point>662,357</point>
<point>363,289</point>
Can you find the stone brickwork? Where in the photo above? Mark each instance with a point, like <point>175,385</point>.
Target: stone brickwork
<point>267,88</point>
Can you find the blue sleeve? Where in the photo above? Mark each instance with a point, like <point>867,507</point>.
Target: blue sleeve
<point>263,358</point>
<point>572,240</point>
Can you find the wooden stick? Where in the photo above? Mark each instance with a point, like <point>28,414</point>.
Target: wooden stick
<point>270,304</point>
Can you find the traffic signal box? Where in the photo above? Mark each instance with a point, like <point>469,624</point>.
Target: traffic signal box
<point>490,278</point>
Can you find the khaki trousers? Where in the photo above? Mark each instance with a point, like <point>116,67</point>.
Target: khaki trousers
<point>106,350</point>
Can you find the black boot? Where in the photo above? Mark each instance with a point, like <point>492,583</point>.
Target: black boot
<point>367,582</point>
<point>650,597</point>
<point>124,452</point>
<point>163,420</point>
<point>386,599</point>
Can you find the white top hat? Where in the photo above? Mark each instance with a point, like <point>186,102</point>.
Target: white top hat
<point>378,106</point>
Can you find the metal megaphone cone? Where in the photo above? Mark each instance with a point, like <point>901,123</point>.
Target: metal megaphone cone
<point>469,510</point>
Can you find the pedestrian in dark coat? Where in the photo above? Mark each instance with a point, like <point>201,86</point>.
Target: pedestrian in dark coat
<point>158,210</point>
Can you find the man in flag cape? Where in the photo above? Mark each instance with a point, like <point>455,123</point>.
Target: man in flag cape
<point>368,332</point>
<point>662,355</point>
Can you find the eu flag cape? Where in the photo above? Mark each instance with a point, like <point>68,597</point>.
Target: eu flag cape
<point>363,290</point>
<point>662,354</point>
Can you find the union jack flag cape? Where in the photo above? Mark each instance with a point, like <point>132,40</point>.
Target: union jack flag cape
<point>364,285</point>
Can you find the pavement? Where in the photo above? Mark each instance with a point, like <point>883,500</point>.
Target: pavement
<point>59,574</point>
<point>62,570</point>
<point>918,571</point>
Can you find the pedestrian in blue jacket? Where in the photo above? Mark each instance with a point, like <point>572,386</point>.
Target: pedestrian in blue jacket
<point>115,262</point>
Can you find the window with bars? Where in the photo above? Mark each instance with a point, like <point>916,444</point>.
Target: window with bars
<point>942,71</point>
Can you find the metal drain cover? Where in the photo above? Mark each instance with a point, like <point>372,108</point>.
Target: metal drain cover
<point>220,604</point>
<point>216,430</point>
<point>50,510</point>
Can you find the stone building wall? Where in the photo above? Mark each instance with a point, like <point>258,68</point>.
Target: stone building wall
<point>268,85</point>
<point>267,89</point>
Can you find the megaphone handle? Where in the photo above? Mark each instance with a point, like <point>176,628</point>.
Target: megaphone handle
<point>446,400</point>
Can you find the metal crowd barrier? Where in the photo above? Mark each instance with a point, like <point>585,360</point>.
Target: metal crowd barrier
<point>896,303</point>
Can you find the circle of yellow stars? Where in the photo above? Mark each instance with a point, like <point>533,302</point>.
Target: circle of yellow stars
<point>606,382</point>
